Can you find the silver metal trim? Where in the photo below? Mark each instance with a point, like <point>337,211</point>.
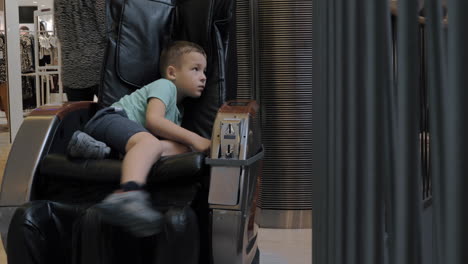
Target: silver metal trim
<point>6,213</point>
<point>236,163</point>
<point>226,231</point>
<point>232,188</point>
<point>227,181</point>
<point>229,230</point>
<point>24,157</point>
<point>288,219</point>
<point>224,186</point>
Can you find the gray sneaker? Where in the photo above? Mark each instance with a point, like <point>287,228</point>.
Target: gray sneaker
<point>131,210</point>
<point>82,145</point>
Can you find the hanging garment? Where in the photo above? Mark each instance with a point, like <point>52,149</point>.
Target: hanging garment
<point>26,50</point>
<point>27,84</point>
<point>54,43</point>
<point>54,87</point>
<point>3,73</point>
<point>45,60</point>
<point>82,34</point>
<point>44,46</point>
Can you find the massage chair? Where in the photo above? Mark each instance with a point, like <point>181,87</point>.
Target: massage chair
<point>209,200</point>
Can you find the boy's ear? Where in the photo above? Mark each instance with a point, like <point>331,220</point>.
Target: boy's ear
<point>171,72</point>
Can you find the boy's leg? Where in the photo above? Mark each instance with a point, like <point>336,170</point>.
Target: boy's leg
<point>129,209</point>
<point>173,148</point>
<point>132,209</point>
<point>142,151</point>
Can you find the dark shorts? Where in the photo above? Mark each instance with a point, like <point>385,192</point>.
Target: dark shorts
<point>112,126</point>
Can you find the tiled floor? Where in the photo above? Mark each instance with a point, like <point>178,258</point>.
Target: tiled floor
<point>277,246</point>
<point>285,246</point>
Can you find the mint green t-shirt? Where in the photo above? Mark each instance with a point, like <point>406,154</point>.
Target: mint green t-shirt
<point>136,103</point>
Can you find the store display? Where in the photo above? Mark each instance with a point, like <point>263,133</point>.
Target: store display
<point>2,58</point>
<point>28,90</point>
<point>3,73</point>
<point>27,51</point>
<point>48,72</point>
<point>40,61</point>
<point>28,85</point>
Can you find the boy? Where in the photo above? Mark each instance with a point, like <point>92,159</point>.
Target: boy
<point>132,125</point>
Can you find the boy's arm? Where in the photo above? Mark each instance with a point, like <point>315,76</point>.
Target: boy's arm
<point>157,124</point>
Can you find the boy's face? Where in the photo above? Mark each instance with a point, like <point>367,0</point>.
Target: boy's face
<point>189,76</point>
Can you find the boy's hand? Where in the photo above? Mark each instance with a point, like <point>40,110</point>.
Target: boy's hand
<point>201,144</point>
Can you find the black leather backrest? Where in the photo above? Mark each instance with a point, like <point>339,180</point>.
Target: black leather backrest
<point>212,33</point>
<point>137,32</point>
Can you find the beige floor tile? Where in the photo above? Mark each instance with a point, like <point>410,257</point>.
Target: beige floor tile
<point>3,258</point>
<point>285,246</point>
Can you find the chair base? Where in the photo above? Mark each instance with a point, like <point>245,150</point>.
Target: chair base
<point>49,232</point>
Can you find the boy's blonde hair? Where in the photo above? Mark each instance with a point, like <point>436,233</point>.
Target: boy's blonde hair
<point>172,53</point>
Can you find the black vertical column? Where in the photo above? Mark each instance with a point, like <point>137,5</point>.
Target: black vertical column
<point>274,51</point>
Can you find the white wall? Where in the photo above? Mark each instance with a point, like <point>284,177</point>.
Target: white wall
<point>2,19</point>
<point>14,66</point>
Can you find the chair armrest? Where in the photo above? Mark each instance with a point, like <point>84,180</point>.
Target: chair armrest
<point>32,143</point>
<point>181,168</point>
<point>62,110</point>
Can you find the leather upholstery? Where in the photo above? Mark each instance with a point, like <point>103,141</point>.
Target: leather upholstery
<point>65,231</point>
<point>97,242</point>
<point>40,233</point>
<point>212,33</point>
<point>44,232</point>
<point>138,30</point>
<point>178,168</point>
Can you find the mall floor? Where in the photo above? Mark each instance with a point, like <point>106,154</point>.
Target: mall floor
<point>277,246</point>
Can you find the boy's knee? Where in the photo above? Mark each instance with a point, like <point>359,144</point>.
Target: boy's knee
<point>173,148</point>
<point>153,143</point>
<point>144,139</point>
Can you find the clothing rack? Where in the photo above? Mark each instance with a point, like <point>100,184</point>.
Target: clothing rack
<point>44,79</point>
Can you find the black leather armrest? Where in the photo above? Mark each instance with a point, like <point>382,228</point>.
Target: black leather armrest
<point>183,167</point>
